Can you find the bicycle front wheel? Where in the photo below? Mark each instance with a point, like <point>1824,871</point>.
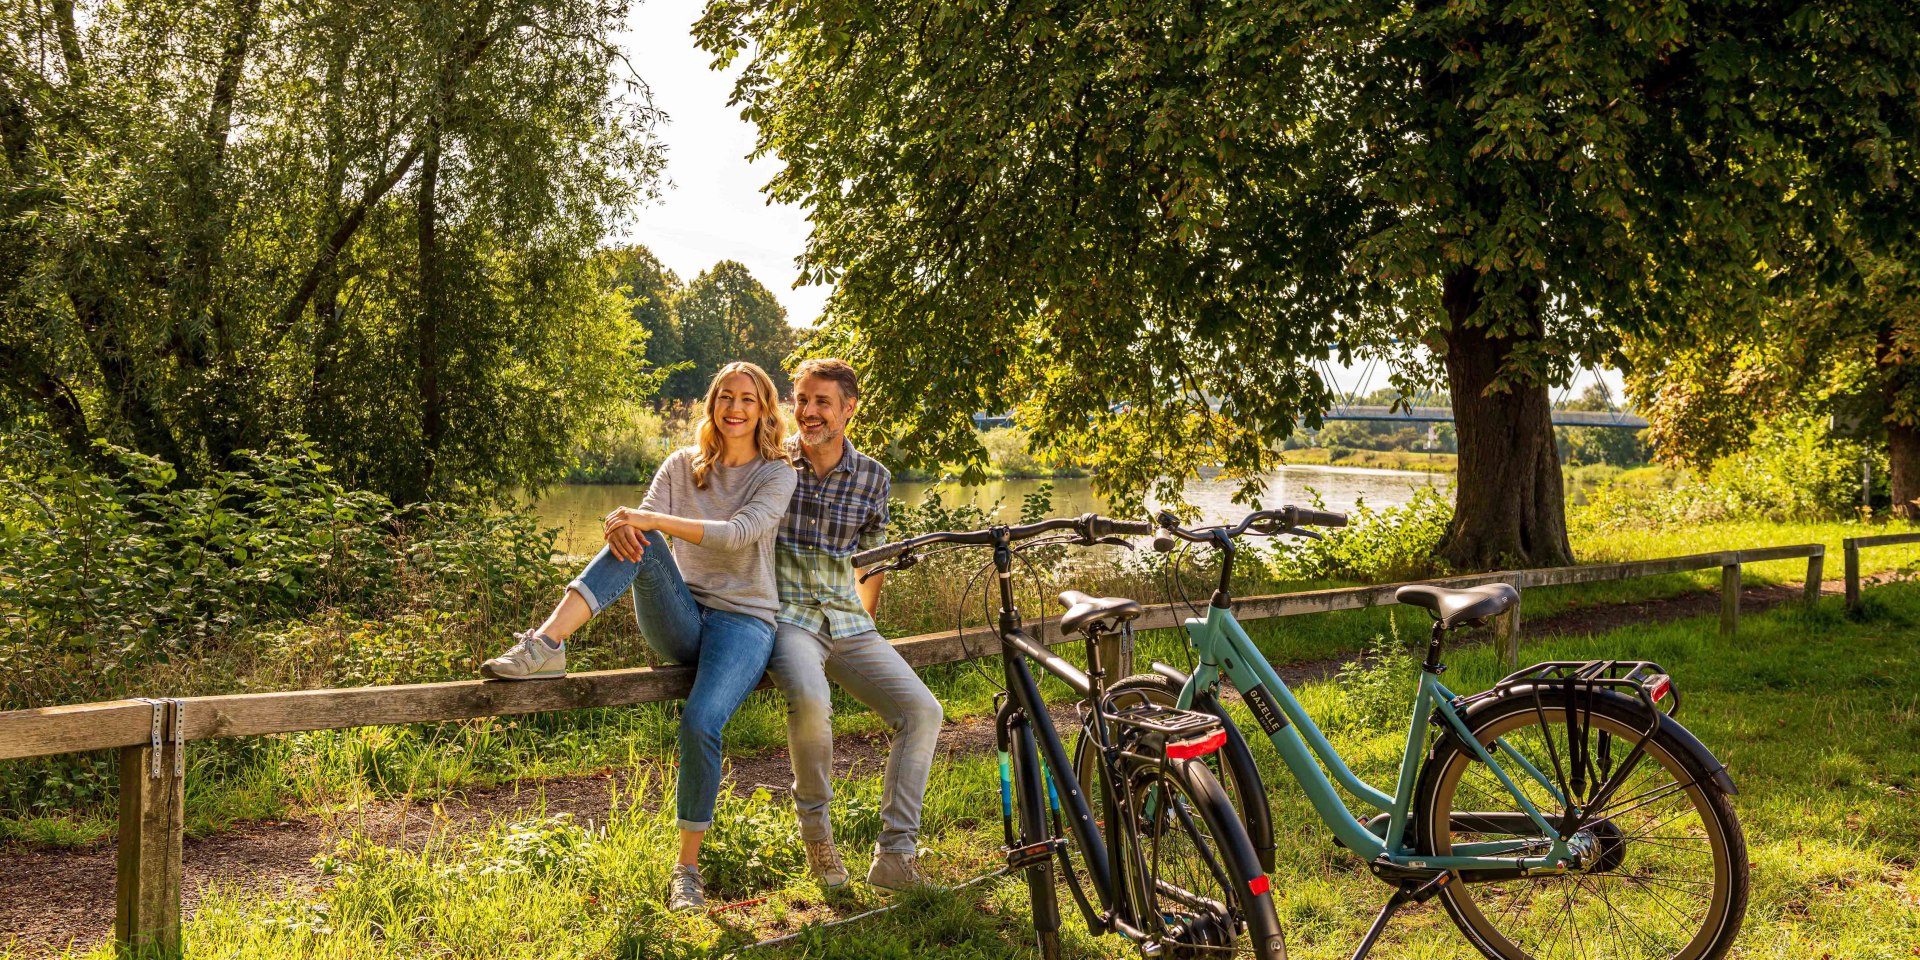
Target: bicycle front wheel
<point>1197,881</point>
<point>1665,872</point>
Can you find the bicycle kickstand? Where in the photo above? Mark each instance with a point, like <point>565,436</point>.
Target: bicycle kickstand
<point>1407,892</point>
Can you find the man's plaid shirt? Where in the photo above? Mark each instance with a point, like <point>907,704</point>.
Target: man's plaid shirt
<point>830,519</point>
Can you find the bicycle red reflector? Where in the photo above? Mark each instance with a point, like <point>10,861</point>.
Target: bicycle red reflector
<point>1661,688</point>
<point>1189,749</point>
<point>1259,885</point>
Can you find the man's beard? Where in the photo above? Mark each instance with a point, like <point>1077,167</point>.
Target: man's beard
<point>821,435</point>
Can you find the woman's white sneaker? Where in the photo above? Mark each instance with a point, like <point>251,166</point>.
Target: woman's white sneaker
<point>686,890</point>
<point>531,658</point>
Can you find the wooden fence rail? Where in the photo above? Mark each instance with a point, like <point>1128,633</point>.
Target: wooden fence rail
<point>1850,547</point>
<point>151,735</point>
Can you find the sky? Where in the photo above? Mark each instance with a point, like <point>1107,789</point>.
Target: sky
<point>712,208</point>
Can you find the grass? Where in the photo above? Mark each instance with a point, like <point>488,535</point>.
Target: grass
<point>1816,713</point>
<point>1414,460</point>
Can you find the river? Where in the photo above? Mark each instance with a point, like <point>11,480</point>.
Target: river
<point>577,510</point>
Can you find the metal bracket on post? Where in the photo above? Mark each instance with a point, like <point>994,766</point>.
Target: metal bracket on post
<point>179,737</point>
<point>158,731</point>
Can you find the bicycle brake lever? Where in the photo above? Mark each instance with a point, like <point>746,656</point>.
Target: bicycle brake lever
<point>1303,532</point>
<point>906,560</point>
<point>1113,542</point>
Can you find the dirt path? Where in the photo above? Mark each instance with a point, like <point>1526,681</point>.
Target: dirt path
<point>57,896</point>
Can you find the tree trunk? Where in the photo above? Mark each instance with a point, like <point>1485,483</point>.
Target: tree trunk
<point>1903,439</point>
<point>1509,506</point>
<point>432,296</point>
<point>1903,474</point>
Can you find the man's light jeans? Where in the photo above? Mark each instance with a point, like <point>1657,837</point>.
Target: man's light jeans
<point>873,672</point>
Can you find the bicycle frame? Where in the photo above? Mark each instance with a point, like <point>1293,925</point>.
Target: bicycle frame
<point>1053,786</point>
<point>1224,649</point>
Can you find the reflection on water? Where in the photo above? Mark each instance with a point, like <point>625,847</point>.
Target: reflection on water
<point>577,510</point>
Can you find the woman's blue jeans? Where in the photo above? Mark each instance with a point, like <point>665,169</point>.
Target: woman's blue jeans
<point>727,650</point>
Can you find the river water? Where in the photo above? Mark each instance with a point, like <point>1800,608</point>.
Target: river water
<point>577,510</point>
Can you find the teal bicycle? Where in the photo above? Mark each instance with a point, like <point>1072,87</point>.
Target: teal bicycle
<point>1563,814</point>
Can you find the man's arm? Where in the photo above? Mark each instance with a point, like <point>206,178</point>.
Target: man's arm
<point>869,591</point>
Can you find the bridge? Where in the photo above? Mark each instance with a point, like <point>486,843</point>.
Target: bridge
<point>1419,408</point>
<point>1618,419</point>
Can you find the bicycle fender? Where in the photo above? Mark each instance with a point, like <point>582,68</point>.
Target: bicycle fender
<point>1252,799</point>
<point>1556,693</point>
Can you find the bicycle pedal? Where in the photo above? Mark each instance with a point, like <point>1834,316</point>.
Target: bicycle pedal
<point>1020,858</point>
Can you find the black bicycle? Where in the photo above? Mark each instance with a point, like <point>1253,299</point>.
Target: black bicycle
<point>1167,864</point>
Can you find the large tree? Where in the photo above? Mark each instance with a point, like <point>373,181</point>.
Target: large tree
<point>1136,221</point>
<point>367,220</point>
<point>652,290</point>
<point>725,314</point>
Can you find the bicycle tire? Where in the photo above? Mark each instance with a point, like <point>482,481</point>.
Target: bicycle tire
<point>1245,792</point>
<point>1195,833</point>
<point>1703,823</point>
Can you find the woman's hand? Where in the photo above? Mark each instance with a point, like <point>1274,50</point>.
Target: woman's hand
<point>624,530</point>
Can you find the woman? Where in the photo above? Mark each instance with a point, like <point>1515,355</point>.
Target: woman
<point>710,603</point>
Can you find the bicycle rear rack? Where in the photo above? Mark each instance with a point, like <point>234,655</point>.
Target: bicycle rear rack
<point>1647,680</point>
<point>1157,730</point>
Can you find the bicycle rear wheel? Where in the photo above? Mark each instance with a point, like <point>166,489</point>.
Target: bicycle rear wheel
<point>1196,879</point>
<point>1667,869</point>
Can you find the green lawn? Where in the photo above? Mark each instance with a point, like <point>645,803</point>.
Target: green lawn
<point>1816,713</point>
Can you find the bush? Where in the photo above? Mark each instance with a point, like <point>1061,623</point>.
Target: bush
<point>1376,546</point>
<point>1793,471</point>
<point>1009,456</point>
<point>112,570</point>
<point>628,450</point>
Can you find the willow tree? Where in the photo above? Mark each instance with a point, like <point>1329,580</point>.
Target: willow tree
<point>1139,222</point>
<point>371,221</point>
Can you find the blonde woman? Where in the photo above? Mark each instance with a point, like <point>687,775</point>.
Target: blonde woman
<point>710,603</point>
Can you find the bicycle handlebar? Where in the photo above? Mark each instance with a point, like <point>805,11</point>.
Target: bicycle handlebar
<point>1287,519</point>
<point>1091,527</point>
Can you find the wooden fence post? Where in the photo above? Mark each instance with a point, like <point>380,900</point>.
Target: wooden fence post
<point>1852,550</point>
<point>1507,636</point>
<point>1729,599</point>
<point>146,920</point>
<point>1816,569</point>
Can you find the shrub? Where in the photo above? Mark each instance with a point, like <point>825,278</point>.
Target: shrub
<point>627,450</point>
<point>1793,470</point>
<point>1397,543</point>
<point>1007,451</point>
<point>270,575</point>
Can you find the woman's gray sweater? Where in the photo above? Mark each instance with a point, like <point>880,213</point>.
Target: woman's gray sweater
<point>731,568</point>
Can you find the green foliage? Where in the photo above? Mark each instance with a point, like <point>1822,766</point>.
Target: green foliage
<point>1376,546</point>
<point>109,583</point>
<point>368,223</point>
<point>1376,690</point>
<point>1135,223</point>
<point>752,840</point>
<point>1793,471</point>
<point>724,315</point>
<point>1010,454</point>
<point>627,450</point>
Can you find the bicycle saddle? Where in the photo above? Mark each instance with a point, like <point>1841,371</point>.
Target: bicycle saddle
<point>1085,611</point>
<point>1453,607</point>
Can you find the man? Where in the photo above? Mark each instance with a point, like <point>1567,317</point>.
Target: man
<point>825,631</point>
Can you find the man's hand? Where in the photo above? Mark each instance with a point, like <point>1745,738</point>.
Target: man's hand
<point>624,529</point>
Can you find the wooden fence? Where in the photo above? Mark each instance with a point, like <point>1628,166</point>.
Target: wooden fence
<point>151,735</point>
<point>1850,547</point>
